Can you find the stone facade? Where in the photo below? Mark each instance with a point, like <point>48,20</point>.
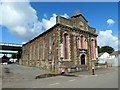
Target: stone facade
<point>69,42</point>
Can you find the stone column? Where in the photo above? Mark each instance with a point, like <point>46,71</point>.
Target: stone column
<point>75,49</point>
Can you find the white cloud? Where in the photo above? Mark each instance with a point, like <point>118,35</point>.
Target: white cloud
<point>105,38</point>
<point>47,23</point>
<point>110,22</point>
<point>23,42</point>
<point>22,20</point>
<point>65,16</point>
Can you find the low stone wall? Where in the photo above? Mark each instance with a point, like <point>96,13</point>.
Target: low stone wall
<point>73,69</point>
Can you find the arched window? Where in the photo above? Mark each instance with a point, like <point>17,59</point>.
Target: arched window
<point>85,43</point>
<point>93,48</point>
<point>82,42</point>
<point>78,43</point>
<point>43,50</point>
<point>66,41</point>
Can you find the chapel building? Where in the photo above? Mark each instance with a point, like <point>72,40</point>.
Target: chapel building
<point>69,42</point>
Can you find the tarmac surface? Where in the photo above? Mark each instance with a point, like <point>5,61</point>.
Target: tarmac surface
<point>18,76</point>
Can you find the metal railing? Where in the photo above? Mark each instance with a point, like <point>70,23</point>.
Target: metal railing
<point>10,44</point>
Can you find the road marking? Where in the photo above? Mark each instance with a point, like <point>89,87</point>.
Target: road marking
<point>94,75</point>
<point>72,80</point>
<point>87,76</point>
<point>84,76</point>
<point>54,83</point>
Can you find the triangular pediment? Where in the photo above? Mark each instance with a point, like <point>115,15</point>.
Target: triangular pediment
<point>80,16</point>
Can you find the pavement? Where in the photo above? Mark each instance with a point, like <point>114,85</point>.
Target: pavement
<point>24,77</point>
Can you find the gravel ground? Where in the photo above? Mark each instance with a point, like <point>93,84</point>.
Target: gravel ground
<point>13,73</point>
<point>22,71</point>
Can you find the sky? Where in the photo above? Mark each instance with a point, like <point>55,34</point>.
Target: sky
<point>23,21</point>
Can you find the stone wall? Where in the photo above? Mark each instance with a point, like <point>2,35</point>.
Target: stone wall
<point>39,52</point>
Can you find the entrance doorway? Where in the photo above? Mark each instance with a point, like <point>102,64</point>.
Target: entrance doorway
<point>83,59</point>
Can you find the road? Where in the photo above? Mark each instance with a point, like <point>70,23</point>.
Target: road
<point>102,79</point>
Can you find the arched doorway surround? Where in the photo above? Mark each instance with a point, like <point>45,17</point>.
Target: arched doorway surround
<point>82,58</point>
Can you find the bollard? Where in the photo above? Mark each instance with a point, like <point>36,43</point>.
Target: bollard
<point>93,71</point>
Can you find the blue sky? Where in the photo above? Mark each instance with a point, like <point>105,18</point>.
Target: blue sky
<point>96,13</point>
<point>39,16</point>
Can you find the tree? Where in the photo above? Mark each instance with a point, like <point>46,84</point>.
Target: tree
<point>107,49</point>
<point>14,56</point>
<point>99,51</point>
<point>5,59</point>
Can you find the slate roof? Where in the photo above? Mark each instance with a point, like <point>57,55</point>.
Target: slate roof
<point>100,54</point>
<point>115,53</point>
